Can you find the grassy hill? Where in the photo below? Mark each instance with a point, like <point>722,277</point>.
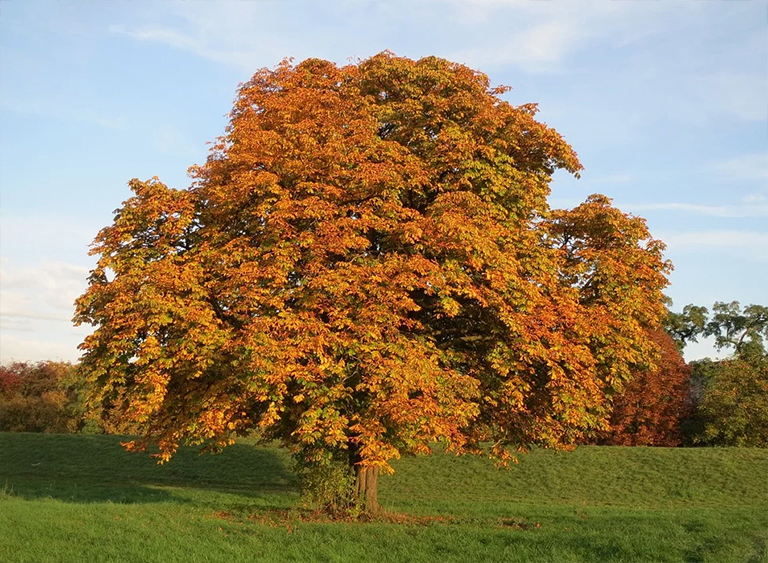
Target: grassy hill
<point>82,498</point>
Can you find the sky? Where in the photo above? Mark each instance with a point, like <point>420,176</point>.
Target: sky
<point>666,104</point>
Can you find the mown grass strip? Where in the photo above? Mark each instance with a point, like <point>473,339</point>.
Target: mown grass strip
<point>83,498</point>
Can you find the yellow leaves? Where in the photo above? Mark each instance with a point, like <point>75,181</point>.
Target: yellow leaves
<point>411,233</point>
<point>270,417</point>
<point>502,456</point>
<point>133,446</point>
<point>450,306</point>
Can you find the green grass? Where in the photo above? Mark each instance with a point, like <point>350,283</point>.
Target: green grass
<point>82,498</point>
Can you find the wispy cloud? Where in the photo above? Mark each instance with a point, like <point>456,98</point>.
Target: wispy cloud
<point>710,210</point>
<point>610,179</point>
<point>54,347</point>
<point>36,308</point>
<point>535,36</point>
<point>170,37</point>
<point>756,197</point>
<point>538,49</point>
<point>46,237</point>
<point>545,36</point>
<point>740,94</point>
<point>493,35</point>
<point>193,43</point>
<point>43,292</point>
<point>167,139</point>
<point>59,110</point>
<point>752,245</point>
<point>229,33</point>
<point>753,166</point>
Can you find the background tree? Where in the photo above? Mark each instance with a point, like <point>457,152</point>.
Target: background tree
<point>650,408</point>
<point>686,326</point>
<point>367,264</point>
<point>733,409</point>
<point>39,397</point>
<point>743,330</point>
<point>731,395</point>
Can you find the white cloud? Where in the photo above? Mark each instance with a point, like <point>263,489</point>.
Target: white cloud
<point>610,179</point>
<point>753,166</point>
<point>44,292</point>
<point>492,35</point>
<point>544,36</point>
<point>741,95</point>
<point>43,269</point>
<point>18,349</point>
<point>170,37</point>
<point>167,139</point>
<point>538,49</point>
<point>60,110</point>
<point>178,40</point>
<point>36,308</point>
<point>536,36</point>
<point>751,245</point>
<point>710,210</point>
<point>47,235</point>
<point>229,33</point>
<point>755,198</point>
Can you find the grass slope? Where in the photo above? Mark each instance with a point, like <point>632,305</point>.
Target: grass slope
<point>82,498</point>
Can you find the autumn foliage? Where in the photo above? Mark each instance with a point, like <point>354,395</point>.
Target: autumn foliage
<point>39,397</point>
<point>367,264</point>
<point>652,405</point>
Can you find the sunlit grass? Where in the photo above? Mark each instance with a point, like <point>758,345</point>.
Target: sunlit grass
<point>83,498</point>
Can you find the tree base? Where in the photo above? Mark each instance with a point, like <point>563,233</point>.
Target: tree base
<point>367,489</point>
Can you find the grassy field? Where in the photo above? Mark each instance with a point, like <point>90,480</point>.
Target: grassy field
<point>82,498</point>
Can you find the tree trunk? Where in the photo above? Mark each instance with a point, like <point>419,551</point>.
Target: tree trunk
<point>367,488</point>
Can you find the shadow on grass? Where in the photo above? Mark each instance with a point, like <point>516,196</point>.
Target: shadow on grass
<point>95,468</point>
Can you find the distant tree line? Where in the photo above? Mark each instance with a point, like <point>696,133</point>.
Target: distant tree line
<point>729,397</point>
<point>702,403</point>
<point>40,397</point>
<point>705,402</point>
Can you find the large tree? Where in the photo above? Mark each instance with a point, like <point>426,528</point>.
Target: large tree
<point>367,264</point>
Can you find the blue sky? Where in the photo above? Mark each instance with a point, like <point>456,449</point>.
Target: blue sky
<point>665,102</point>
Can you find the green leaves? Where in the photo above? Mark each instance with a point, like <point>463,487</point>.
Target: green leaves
<point>743,330</point>
<point>733,408</point>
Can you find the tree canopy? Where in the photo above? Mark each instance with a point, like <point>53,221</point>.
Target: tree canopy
<point>743,330</point>
<point>367,264</point>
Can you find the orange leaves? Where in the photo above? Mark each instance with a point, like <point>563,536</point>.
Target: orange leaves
<point>648,409</point>
<point>365,264</point>
<point>619,273</point>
